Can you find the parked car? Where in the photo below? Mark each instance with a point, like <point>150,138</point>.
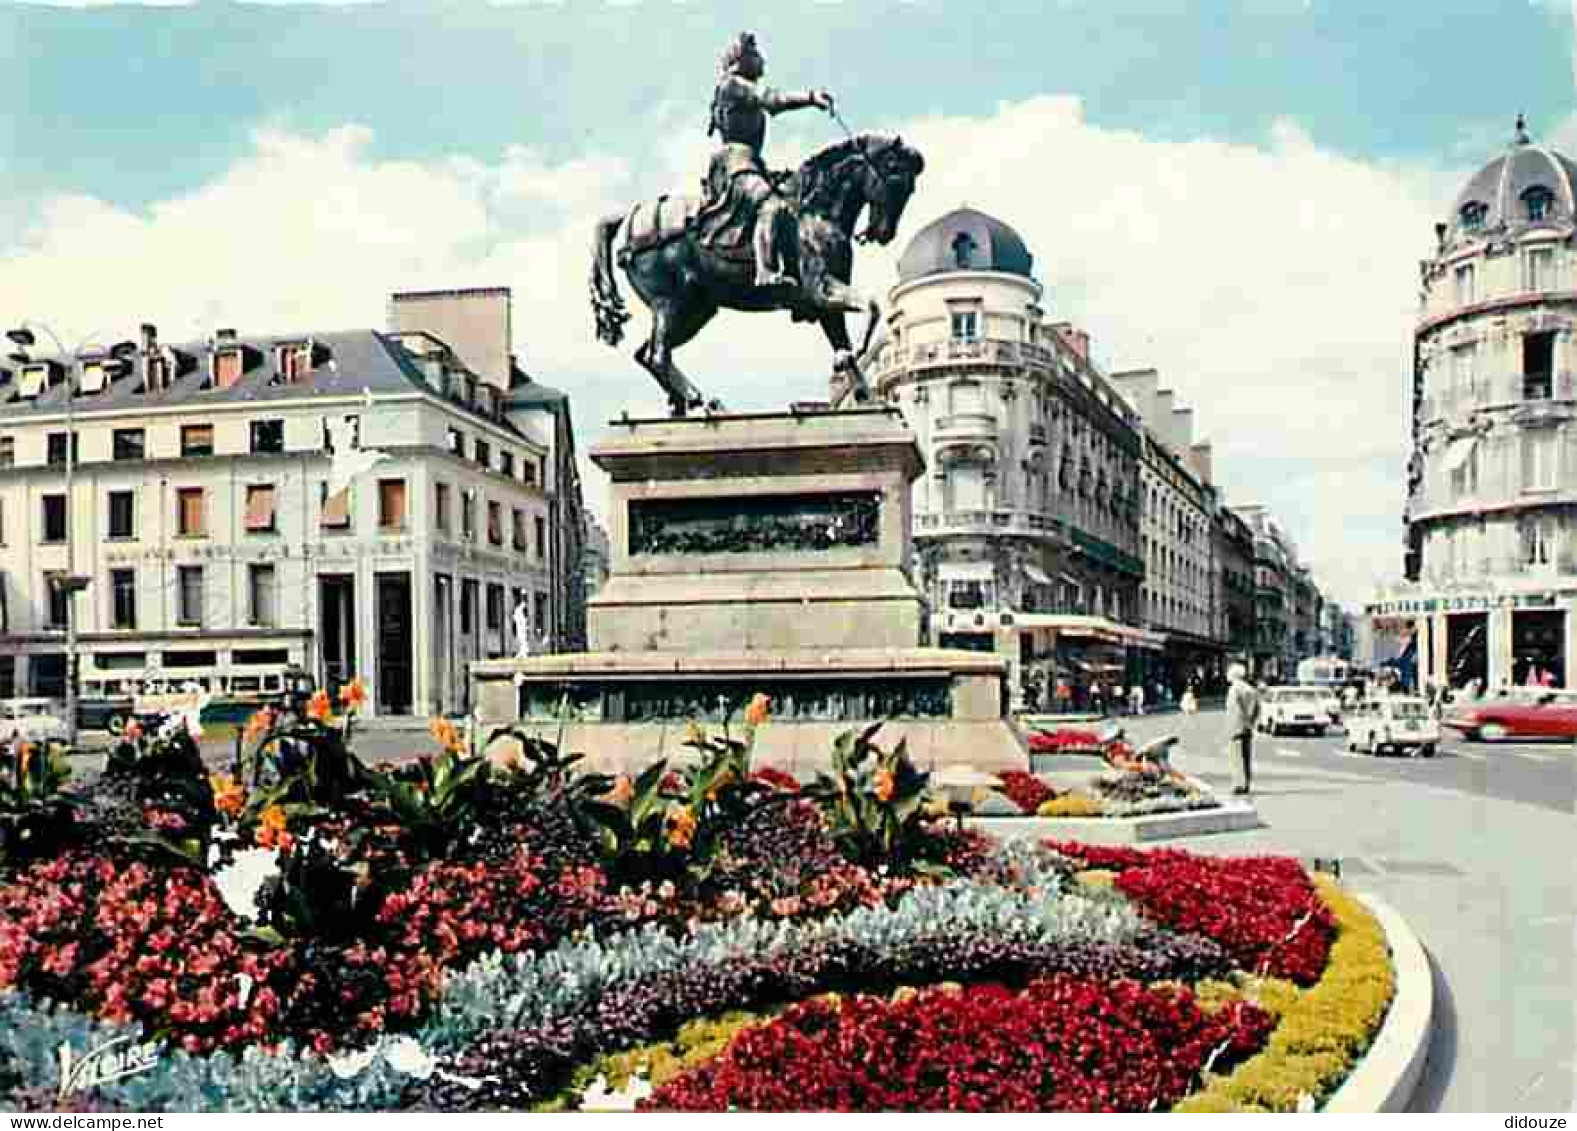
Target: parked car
<point>1297,708</point>
<point>30,720</point>
<point>1523,714</point>
<point>1397,723</point>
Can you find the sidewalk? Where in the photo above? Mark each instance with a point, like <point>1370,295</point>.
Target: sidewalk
<point>1490,886</point>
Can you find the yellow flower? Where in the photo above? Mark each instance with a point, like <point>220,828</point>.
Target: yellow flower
<point>693,734</point>
<point>759,710</point>
<point>352,695</point>
<point>884,785</point>
<point>229,797</point>
<point>319,707</point>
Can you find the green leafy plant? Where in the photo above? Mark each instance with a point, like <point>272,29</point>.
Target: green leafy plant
<point>435,798</point>
<point>156,778</point>
<point>874,801</point>
<point>635,827</point>
<point>37,811</point>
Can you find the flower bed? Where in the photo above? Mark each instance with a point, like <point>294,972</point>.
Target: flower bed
<point>1119,793</point>
<point>1066,740</point>
<point>505,932</point>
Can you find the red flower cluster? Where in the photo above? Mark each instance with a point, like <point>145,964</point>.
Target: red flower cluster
<point>1061,1044</point>
<point>130,944</point>
<point>1062,741</point>
<point>1025,790</point>
<point>771,775</point>
<point>1263,910</point>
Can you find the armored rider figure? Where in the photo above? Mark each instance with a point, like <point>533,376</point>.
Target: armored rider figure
<point>737,175</point>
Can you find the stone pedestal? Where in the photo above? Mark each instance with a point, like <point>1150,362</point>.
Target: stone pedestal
<point>744,533</point>
<point>761,554</point>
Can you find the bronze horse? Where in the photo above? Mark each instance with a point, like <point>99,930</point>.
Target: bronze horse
<point>675,257</point>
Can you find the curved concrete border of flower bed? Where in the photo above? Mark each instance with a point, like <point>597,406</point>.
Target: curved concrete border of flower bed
<point>1385,1079</point>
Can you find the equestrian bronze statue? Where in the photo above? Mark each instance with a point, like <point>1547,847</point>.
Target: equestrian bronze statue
<point>759,240</point>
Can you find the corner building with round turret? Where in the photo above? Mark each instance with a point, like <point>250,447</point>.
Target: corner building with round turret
<point>1491,557</point>
<point>1027,519</point>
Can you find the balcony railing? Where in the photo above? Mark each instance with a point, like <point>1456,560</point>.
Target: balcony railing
<point>994,520</point>
<point>1501,390</point>
<point>983,351</point>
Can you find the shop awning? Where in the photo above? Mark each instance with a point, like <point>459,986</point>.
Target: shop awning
<point>1036,574</point>
<point>1459,451</point>
<point>966,571</point>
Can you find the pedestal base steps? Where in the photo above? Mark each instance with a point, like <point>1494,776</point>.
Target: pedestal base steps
<point>625,710</point>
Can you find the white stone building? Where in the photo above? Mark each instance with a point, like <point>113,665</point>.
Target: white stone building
<point>1178,596</point>
<point>1026,520</point>
<point>1492,545</point>
<point>201,517</point>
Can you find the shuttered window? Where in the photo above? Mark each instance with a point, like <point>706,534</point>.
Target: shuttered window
<point>391,504</point>
<point>336,508</point>
<point>260,507</point>
<point>189,517</point>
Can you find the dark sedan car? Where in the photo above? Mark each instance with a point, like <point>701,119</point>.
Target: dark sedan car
<point>1538,715</point>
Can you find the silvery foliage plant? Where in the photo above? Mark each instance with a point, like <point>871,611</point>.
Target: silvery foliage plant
<point>529,990</point>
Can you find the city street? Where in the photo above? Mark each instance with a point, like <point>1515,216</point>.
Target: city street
<point>1474,847</point>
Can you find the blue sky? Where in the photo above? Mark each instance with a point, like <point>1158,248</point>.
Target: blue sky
<point>1235,193</point>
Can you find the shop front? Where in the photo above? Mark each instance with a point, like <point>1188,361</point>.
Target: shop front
<point>1489,639</point>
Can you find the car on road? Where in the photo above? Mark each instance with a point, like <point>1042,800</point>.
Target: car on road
<point>30,720</point>
<point>1398,724</point>
<point>1523,714</point>
<point>1311,709</point>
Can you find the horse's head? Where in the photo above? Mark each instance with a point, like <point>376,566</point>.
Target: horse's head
<point>891,168</point>
<point>869,171</point>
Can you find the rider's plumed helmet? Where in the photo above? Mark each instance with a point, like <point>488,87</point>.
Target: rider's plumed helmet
<point>742,48</point>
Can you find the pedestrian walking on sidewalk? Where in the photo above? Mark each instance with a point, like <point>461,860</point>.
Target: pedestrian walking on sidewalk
<point>1242,714</point>
<point>1137,697</point>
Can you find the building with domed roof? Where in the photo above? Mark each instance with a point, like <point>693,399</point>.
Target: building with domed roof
<point>1491,557</point>
<point>1027,519</point>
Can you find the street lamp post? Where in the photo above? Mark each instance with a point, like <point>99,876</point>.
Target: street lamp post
<point>70,585</point>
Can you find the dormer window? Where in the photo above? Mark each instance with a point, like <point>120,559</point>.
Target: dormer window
<point>158,372</point>
<point>95,378</point>
<point>36,378</point>
<point>1473,215</point>
<point>293,361</point>
<point>1538,202</point>
<point>228,367</point>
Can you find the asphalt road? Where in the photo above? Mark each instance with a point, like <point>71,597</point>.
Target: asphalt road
<point>1543,774</point>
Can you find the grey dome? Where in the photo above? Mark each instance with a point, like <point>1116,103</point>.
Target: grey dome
<point>1499,192</point>
<point>965,240</point>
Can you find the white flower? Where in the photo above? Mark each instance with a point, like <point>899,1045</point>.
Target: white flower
<point>349,1064</point>
<point>597,1097</point>
<point>242,881</point>
<point>1305,1103</point>
<point>406,1055</point>
<point>244,995</point>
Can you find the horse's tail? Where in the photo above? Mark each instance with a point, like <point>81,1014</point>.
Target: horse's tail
<point>607,305</point>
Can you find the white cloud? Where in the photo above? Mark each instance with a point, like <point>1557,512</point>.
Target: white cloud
<point>1273,285</point>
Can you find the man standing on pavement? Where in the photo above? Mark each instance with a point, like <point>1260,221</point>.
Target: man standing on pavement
<point>1242,714</point>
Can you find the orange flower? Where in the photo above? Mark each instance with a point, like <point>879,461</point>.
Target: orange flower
<point>261,722</point>
<point>884,785</point>
<point>446,734</point>
<point>622,793</point>
<point>723,779</point>
<point>24,755</point>
<point>319,707</point>
<point>759,710</point>
<point>133,731</point>
<point>229,797</point>
<point>352,695</point>
<point>681,827</point>
<point>272,831</point>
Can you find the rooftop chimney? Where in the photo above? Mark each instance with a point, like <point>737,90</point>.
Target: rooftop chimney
<point>1202,457</point>
<point>150,337</point>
